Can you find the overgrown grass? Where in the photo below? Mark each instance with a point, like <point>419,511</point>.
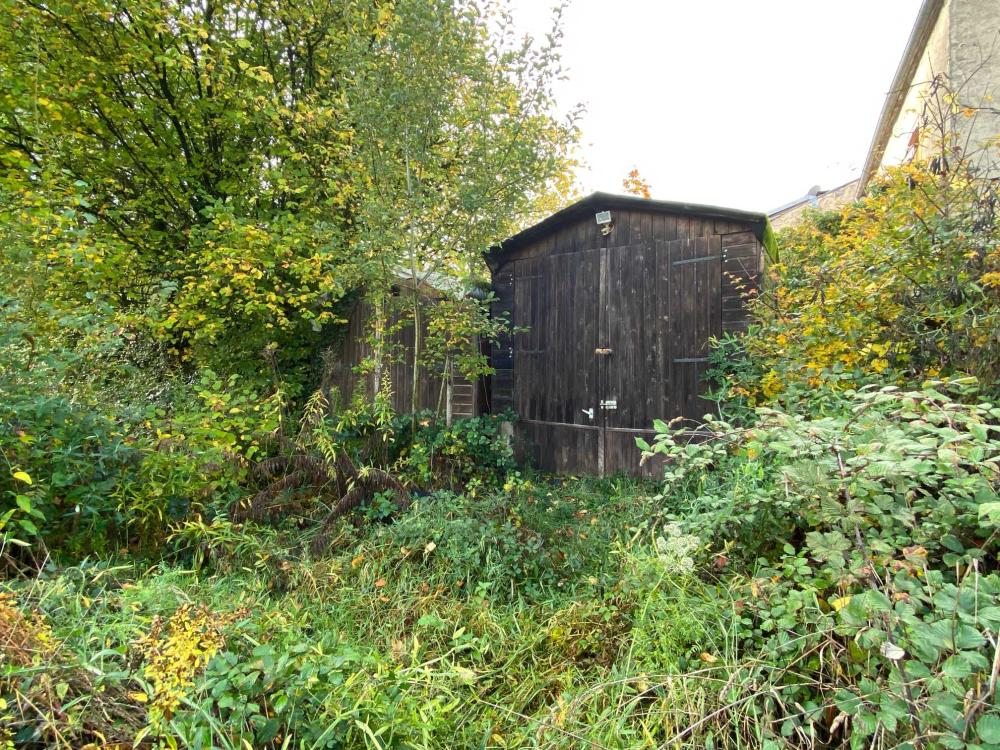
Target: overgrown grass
<point>540,617</point>
<point>805,582</point>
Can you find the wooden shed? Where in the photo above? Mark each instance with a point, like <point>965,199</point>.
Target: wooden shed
<point>613,302</point>
<point>447,393</point>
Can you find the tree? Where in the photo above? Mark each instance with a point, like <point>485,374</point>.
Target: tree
<point>187,162</point>
<point>635,184</point>
<point>222,174</point>
<point>465,153</point>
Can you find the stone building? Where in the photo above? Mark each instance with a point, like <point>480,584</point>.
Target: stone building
<point>945,95</point>
<point>821,200</point>
<point>944,98</point>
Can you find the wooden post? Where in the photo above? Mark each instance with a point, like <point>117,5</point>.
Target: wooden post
<point>448,397</point>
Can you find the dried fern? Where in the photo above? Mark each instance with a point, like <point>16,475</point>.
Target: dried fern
<point>315,466</point>
<point>367,484</point>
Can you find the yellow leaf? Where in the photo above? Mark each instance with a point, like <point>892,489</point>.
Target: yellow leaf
<point>839,603</point>
<point>380,583</point>
<point>465,674</point>
<point>357,561</point>
<point>708,658</point>
<point>139,697</point>
<point>23,477</point>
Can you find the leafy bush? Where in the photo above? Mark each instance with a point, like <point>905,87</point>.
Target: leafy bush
<point>99,454</point>
<point>468,453</point>
<point>907,465</point>
<point>368,458</point>
<point>521,541</point>
<point>902,285</point>
<point>195,453</point>
<point>870,541</point>
<point>62,455</point>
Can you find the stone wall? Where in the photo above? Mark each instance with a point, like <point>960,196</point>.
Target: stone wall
<point>975,73</point>
<point>963,56</point>
<point>934,62</point>
<point>826,200</point>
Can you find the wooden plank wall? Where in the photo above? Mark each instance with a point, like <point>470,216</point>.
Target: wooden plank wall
<point>696,316</point>
<point>356,349</point>
<point>501,382</point>
<point>659,338</point>
<point>554,379</point>
<point>742,271</point>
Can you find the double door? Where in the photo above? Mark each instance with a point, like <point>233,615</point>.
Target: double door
<point>606,341</point>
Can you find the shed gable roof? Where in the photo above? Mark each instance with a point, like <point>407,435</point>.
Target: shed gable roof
<point>599,201</point>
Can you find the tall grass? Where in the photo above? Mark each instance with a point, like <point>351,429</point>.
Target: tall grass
<point>446,633</point>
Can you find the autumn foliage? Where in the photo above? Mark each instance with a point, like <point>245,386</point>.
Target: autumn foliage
<point>901,285</point>
<point>635,184</point>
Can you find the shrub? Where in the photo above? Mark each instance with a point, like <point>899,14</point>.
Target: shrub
<point>470,452</point>
<point>871,549</point>
<point>194,454</point>
<point>500,545</point>
<point>902,285</point>
<point>62,454</point>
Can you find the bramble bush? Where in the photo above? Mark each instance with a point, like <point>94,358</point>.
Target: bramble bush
<point>468,453</point>
<point>61,455</point>
<point>99,454</point>
<point>870,537</point>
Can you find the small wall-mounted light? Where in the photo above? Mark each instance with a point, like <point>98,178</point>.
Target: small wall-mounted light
<point>604,220</point>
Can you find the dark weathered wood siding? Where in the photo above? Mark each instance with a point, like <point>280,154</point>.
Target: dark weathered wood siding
<point>431,394</point>
<point>654,291</point>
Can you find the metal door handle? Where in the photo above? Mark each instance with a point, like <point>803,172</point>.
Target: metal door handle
<point>603,352</point>
<point>588,412</point>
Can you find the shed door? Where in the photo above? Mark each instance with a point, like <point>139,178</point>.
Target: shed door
<point>695,317</point>
<point>555,369</point>
<point>636,371</point>
<point>622,331</point>
<point>663,305</point>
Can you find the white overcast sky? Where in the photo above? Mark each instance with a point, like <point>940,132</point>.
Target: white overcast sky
<point>738,103</point>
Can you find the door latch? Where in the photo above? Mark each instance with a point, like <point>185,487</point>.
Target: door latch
<point>603,351</point>
<point>612,404</point>
<point>588,412</point>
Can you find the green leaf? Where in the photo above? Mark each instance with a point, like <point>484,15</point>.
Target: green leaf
<point>990,513</point>
<point>268,731</point>
<point>952,542</point>
<point>988,729</point>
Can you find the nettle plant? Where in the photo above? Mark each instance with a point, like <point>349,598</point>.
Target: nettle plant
<point>870,538</point>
